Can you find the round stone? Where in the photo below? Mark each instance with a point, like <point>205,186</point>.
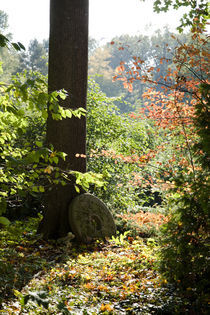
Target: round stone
<point>89,218</point>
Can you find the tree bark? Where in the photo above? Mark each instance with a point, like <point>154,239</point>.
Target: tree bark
<point>68,63</point>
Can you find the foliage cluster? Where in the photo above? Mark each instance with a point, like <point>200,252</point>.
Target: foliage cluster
<point>114,142</point>
<point>28,166</point>
<point>198,10</point>
<point>187,233</point>
<point>181,113</point>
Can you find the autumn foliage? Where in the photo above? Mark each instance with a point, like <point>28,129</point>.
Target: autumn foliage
<point>146,219</point>
<point>177,104</point>
<point>171,100</point>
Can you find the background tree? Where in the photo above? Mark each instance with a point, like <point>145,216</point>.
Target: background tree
<point>9,59</point>
<point>101,71</point>
<point>3,21</point>
<point>155,51</point>
<point>35,58</point>
<point>92,45</point>
<point>68,59</point>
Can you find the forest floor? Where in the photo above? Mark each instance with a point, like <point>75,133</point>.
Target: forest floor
<point>117,276</point>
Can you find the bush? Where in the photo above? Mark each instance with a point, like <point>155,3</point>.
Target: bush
<point>114,143</point>
<point>26,163</point>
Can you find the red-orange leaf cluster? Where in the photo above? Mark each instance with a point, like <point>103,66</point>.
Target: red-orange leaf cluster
<point>150,219</point>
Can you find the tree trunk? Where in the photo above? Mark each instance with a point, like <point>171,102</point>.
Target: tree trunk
<point>68,62</point>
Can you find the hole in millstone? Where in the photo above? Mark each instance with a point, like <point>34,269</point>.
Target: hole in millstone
<point>96,222</point>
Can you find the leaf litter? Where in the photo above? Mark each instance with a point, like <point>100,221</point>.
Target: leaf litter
<point>116,276</point>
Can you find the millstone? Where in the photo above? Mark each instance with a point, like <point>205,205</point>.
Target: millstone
<point>89,218</point>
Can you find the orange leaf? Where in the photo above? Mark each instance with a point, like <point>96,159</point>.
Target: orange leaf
<point>48,169</point>
<point>106,307</point>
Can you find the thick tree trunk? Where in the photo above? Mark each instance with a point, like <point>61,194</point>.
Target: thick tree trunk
<point>68,61</point>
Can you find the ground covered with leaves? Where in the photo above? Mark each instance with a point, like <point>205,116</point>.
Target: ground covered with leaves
<point>116,276</point>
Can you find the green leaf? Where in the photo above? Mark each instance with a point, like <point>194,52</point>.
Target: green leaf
<point>21,46</point>
<point>4,221</point>
<point>35,189</point>
<point>55,160</point>
<point>63,94</point>
<point>3,40</point>
<point>77,188</point>
<point>17,293</point>
<point>39,144</point>
<point>68,113</point>
<point>63,155</point>
<point>13,191</point>
<point>41,188</point>
<point>16,46</point>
